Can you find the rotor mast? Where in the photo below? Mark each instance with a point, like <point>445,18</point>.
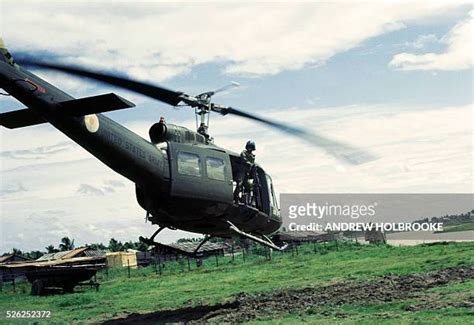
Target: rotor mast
<point>202,113</point>
<point>202,108</point>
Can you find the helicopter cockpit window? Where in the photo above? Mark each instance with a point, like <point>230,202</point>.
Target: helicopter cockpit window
<point>215,168</point>
<point>189,164</point>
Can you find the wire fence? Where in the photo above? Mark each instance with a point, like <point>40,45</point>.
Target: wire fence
<point>256,254</point>
<point>185,264</point>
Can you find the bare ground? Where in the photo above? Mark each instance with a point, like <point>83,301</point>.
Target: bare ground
<point>246,307</point>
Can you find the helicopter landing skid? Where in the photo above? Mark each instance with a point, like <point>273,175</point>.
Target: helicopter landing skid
<point>264,241</point>
<point>150,241</point>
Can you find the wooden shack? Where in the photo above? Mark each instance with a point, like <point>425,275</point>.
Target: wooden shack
<point>73,253</point>
<point>175,250</point>
<point>122,259</point>
<point>12,258</point>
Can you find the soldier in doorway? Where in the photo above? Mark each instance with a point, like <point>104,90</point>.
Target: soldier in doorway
<point>248,165</point>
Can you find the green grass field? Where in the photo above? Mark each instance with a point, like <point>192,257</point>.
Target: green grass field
<point>146,291</point>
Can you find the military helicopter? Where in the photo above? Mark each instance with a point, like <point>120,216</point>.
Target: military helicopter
<point>183,180</point>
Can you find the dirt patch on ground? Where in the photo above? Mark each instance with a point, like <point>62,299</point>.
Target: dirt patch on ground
<point>247,307</point>
<point>182,315</point>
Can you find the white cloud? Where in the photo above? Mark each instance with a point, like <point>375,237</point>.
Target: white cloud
<point>457,56</point>
<point>422,40</point>
<point>420,150</point>
<point>157,41</point>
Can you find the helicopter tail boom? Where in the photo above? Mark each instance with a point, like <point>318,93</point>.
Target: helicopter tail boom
<point>122,150</point>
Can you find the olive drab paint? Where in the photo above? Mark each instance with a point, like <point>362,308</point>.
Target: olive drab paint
<point>183,182</point>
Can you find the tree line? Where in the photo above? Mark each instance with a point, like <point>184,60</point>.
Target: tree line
<point>67,244</point>
<point>450,220</point>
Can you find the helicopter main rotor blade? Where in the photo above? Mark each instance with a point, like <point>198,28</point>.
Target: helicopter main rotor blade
<point>224,88</point>
<point>159,93</point>
<point>337,149</point>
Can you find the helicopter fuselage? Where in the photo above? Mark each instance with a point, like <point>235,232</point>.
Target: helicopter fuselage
<point>184,182</point>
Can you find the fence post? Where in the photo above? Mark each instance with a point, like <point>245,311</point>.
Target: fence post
<point>13,281</point>
<point>243,254</point>
<point>128,267</point>
<point>217,259</point>
<point>189,265</point>
<point>199,260</point>
<point>232,252</point>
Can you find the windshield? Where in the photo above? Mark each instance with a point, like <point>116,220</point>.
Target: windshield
<point>273,200</point>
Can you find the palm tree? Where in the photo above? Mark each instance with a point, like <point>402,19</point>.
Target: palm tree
<point>97,246</point>
<point>115,245</point>
<point>16,251</point>
<point>34,255</point>
<point>66,244</point>
<point>51,249</point>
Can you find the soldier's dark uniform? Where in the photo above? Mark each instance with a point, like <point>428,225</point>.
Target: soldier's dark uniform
<point>248,161</point>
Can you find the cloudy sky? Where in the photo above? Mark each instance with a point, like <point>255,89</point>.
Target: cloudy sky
<point>393,78</point>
